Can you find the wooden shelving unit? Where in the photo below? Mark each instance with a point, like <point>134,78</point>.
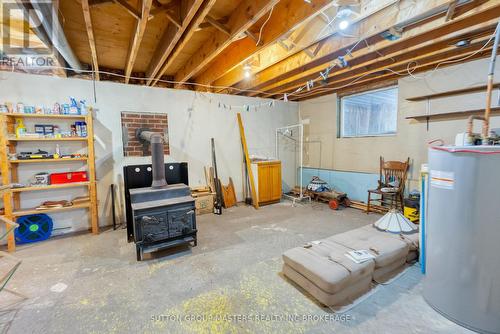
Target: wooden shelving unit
<point>464,113</point>
<point>454,92</point>
<point>34,161</point>
<point>48,139</point>
<point>9,169</point>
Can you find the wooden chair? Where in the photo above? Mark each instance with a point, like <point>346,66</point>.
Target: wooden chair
<point>391,184</point>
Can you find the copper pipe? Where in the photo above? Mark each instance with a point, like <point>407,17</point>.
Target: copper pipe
<point>491,73</point>
<point>470,127</point>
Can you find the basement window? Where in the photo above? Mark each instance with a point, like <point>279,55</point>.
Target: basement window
<point>371,113</point>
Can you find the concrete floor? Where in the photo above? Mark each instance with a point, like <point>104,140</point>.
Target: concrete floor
<point>93,284</point>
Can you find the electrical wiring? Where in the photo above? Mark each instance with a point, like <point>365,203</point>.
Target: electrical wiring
<point>408,72</point>
<point>264,24</point>
<point>159,80</point>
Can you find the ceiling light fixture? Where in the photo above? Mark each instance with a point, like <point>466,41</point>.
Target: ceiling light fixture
<point>343,24</point>
<point>247,70</point>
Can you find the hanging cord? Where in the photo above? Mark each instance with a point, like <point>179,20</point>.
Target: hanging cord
<point>263,25</point>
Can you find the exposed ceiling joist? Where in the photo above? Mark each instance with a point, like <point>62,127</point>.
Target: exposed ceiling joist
<point>449,58</point>
<point>136,39</point>
<point>243,17</point>
<point>216,24</point>
<point>286,16</point>
<point>131,10</point>
<point>310,45</point>
<point>173,34</point>
<point>300,67</point>
<point>90,34</point>
<point>415,56</point>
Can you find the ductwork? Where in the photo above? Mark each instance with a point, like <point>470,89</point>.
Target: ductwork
<point>47,17</point>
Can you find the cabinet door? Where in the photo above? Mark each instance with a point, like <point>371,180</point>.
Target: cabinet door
<point>264,183</point>
<point>275,178</point>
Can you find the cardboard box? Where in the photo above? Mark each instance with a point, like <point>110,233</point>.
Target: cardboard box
<point>204,204</point>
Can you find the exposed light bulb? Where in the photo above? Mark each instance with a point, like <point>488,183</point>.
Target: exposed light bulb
<point>343,24</point>
<point>247,70</point>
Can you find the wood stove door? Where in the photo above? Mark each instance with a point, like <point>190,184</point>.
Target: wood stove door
<point>181,221</point>
<point>152,226</point>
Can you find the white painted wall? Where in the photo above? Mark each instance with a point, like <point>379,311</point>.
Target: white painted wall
<point>193,120</point>
<point>362,154</point>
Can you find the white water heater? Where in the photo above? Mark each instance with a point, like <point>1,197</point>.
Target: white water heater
<point>462,279</point>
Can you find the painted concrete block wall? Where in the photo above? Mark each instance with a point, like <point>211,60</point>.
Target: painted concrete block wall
<point>193,119</point>
<point>362,154</point>
<point>355,184</point>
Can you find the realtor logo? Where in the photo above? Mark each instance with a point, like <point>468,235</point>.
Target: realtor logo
<point>27,27</point>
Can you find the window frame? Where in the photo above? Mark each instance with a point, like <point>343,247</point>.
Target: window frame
<point>340,125</point>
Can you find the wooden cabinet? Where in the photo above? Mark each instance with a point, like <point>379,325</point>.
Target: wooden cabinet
<point>268,181</point>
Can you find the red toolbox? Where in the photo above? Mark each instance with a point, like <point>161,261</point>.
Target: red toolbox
<point>58,178</point>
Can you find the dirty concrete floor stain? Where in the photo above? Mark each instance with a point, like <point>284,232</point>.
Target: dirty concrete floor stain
<point>234,271</point>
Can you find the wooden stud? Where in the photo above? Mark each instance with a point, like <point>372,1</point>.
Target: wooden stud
<point>137,36</point>
<point>255,200</point>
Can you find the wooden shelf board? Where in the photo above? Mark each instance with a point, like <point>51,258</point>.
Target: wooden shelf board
<point>52,186</point>
<point>45,116</point>
<point>24,212</point>
<point>451,93</point>
<point>495,110</point>
<point>48,139</point>
<point>31,161</point>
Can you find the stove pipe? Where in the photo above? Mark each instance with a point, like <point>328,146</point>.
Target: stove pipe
<point>157,157</point>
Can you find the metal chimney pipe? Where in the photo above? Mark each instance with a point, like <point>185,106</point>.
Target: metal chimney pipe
<point>157,157</point>
<point>158,161</point>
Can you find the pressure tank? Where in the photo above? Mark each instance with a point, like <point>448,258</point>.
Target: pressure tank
<point>462,280</point>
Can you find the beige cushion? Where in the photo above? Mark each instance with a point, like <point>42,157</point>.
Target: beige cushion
<point>345,296</point>
<point>389,249</point>
<point>326,266</point>
<point>389,271</point>
<point>411,239</point>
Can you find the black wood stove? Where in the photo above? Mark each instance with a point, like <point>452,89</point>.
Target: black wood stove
<point>163,215</point>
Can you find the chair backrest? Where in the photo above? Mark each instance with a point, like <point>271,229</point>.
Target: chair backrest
<point>394,171</point>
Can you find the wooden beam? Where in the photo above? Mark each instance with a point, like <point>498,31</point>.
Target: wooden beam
<point>90,35</point>
<point>131,10</point>
<point>451,10</point>
<point>255,198</point>
<point>162,8</point>
<point>369,63</point>
<point>137,36</point>
<point>216,24</point>
<point>429,63</point>
<point>242,18</point>
<point>194,14</point>
<point>93,3</point>
<point>287,15</point>
<point>299,68</point>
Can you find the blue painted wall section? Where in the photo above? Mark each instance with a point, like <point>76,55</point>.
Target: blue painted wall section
<point>355,184</point>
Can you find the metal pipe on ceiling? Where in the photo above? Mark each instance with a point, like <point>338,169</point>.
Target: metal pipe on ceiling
<point>48,18</point>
